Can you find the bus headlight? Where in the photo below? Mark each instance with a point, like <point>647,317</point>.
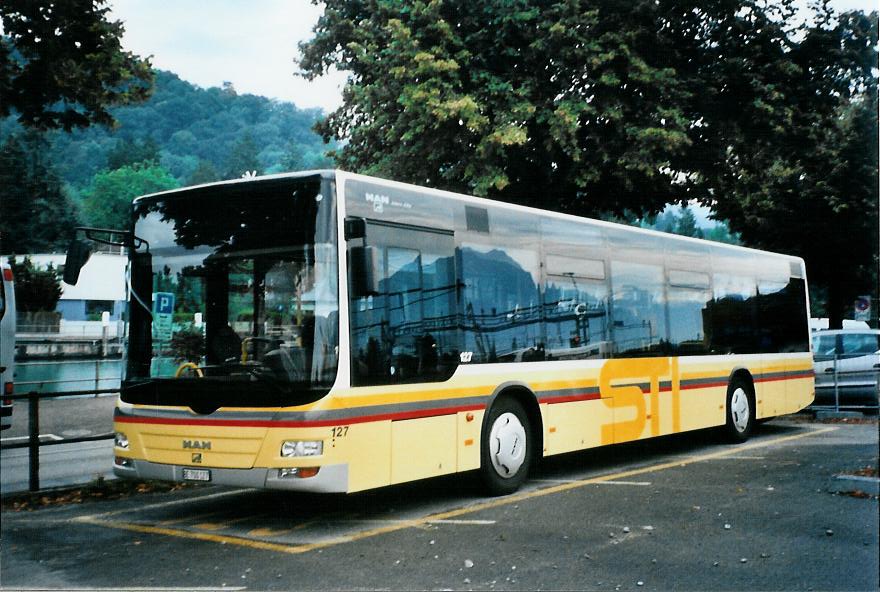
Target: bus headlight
<point>291,448</point>
<point>121,441</point>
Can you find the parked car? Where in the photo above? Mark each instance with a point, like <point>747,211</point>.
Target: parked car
<point>852,357</point>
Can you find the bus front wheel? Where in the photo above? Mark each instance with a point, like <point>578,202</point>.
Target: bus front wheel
<point>506,454</point>
<point>740,410</point>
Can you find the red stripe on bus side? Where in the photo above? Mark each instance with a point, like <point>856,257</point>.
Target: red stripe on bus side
<point>571,398</point>
<point>268,423</point>
<point>799,376</point>
<point>416,414</point>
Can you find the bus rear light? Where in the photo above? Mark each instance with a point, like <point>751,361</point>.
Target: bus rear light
<point>298,472</point>
<point>7,388</point>
<point>7,274</point>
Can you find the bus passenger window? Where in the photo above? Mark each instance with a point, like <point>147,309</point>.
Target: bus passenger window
<point>731,316</point>
<point>575,317</point>
<point>687,307</point>
<point>408,331</point>
<point>638,308</point>
<point>502,313</point>
<point>688,299</point>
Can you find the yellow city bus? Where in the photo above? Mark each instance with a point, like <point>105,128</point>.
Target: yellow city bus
<point>332,332</point>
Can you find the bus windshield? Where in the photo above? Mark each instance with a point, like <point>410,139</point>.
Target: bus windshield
<point>234,298</point>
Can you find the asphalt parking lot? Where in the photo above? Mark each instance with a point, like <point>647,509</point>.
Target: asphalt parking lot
<point>683,513</point>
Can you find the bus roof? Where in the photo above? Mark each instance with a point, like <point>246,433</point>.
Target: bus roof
<point>335,174</point>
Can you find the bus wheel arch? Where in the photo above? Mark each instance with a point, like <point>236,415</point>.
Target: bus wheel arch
<point>740,408</point>
<point>512,414</point>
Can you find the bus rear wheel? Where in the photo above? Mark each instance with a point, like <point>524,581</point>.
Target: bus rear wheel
<point>740,411</point>
<point>506,450</point>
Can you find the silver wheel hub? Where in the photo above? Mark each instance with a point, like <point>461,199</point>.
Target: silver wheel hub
<point>507,444</point>
<point>739,410</point>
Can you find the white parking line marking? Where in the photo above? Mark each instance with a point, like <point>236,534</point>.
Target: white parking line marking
<point>553,480</point>
<point>638,483</point>
<point>420,522</point>
<point>167,504</point>
<point>19,438</point>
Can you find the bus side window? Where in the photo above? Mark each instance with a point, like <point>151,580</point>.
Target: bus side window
<point>688,298</point>
<point>502,312</point>
<point>638,308</point>
<point>575,308</point>
<point>408,332</point>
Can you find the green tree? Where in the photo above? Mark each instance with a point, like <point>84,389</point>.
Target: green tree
<point>36,214</point>
<point>107,203</point>
<point>686,225</point>
<point>35,289</point>
<point>243,158</point>
<point>607,107</point>
<point>204,173</point>
<point>809,186</point>
<point>555,104</point>
<point>62,64</point>
<point>188,124</point>
<point>133,152</point>
<point>720,233</point>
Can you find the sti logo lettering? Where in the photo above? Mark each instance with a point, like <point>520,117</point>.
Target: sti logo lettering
<point>620,384</point>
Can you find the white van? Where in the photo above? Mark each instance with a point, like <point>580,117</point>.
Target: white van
<point>7,344</point>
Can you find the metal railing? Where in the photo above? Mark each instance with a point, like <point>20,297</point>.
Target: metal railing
<point>847,382</point>
<point>34,443</point>
<point>24,386</point>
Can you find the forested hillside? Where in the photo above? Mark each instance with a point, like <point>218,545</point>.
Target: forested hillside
<point>182,135</point>
<point>190,125</point>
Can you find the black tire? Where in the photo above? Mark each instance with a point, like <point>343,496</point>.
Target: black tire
<point>506,447</point>
<point>740,410</point>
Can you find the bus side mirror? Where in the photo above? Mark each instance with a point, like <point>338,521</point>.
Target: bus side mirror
<point>78,253</point>
<point>363,265</point>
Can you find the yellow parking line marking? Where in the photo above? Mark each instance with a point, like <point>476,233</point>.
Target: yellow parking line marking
<point>639,483</point>
<point>464,522</point>
<point>448,515</point>
<point>185,534</point>
<point>189,518</point>
<point>268,532</point>
<point>225,523</point>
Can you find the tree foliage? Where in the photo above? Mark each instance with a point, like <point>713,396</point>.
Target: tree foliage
<point>204,173</point>
<point>189,125</point>
<point>243,159</point>
<point>107,203</point>
<point>35,289</point>
<point>62,64</point>
<point>607,107</point>
<point>133,152</point>
<point>36,214</point>
<point>808,184</point>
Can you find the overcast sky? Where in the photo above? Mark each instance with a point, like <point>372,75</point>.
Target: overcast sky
<point>251,44</point>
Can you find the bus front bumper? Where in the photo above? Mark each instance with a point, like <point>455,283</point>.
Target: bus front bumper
<point>330,478</point>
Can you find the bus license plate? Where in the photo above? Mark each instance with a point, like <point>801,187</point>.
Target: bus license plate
<point>196,475</point>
